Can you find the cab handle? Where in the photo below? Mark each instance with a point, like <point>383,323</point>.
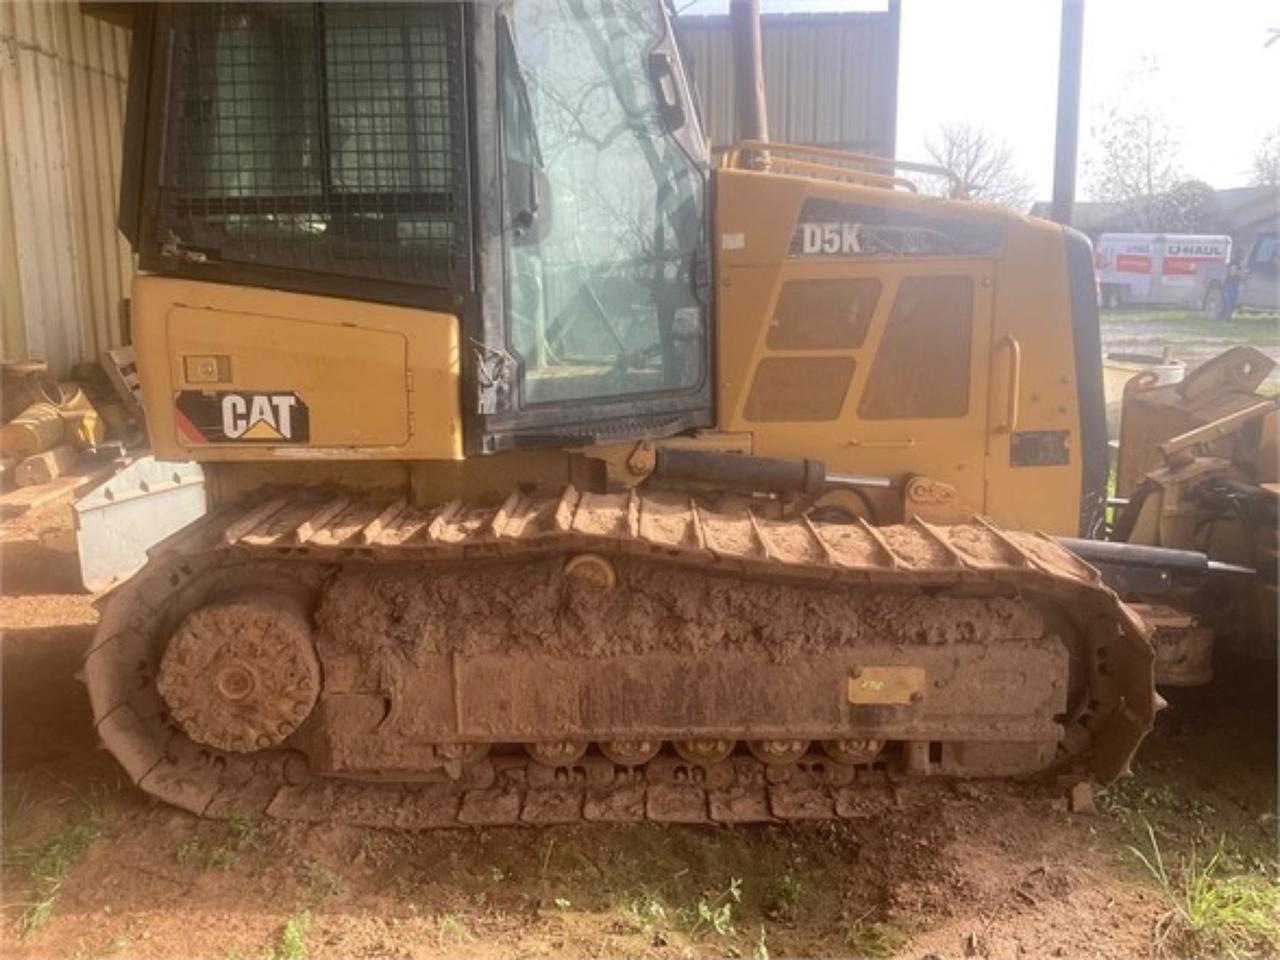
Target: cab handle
<point>1010,421</point>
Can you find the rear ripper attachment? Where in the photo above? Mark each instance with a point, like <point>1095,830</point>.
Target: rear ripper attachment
<point>601,657</point>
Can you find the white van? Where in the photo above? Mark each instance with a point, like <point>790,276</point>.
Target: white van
<point>1154,268</point>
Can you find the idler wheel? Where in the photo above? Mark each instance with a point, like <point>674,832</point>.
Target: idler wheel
<point>241,674</point>
<point>704,751</point>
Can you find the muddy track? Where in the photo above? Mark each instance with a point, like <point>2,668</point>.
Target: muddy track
<point>306,547</point>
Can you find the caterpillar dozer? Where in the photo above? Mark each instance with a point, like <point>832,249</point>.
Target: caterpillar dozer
<point>556,473</point>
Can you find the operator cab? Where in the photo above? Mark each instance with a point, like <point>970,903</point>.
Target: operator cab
<point>535,168</point>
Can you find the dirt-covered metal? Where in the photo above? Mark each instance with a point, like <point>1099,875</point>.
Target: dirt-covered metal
<point>455,646</point>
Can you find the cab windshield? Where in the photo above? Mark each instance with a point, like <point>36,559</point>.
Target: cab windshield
<point>602,208</point>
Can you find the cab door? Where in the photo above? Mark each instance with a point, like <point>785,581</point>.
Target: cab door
<point>596,314</point>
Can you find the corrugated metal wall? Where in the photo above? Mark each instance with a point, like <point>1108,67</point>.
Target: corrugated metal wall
<point>63,266</point>
<point>831,80</point>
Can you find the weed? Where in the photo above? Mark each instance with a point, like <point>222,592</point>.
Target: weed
<point>714,914</point>
<point>876,939</point>
<point>786,896</point>
<point>322,882</point>
<point>49,862</point>
<point>236,835</point>
<point>760,949</point>
<point>1133,795</point>
<point>451,927</point>
<point>1211,911</point>
<point>645,912</point>
<point>241,831</point>
<point>291,942</point>
<point>187,852</point>
<point>648,913</point>
<point>562,904</point>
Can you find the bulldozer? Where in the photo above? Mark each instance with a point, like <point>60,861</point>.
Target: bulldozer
<point>557,473</point>
<point>1198,470</point>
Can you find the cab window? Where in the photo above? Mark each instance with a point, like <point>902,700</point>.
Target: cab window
<point>602,208</point>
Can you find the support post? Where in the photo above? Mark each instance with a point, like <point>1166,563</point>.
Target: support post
<point>748,70</point>
<point>1067,138</point>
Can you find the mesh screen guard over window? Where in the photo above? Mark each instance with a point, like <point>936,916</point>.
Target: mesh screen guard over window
<point>321,137</point>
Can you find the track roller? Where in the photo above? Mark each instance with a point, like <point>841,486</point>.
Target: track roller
<point>557,753</point>
<point>630,753</point>
<point>852,751</point>
<point>778,752</point>
<point>704,751</point>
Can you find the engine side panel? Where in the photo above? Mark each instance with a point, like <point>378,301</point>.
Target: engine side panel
<point>244,374</point>
<point>886,333</point>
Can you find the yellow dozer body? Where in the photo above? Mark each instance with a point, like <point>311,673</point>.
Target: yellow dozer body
<point>555,475</point>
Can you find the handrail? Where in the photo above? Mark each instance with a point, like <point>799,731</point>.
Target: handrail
<point>792,154</point>
<point>846,173</point>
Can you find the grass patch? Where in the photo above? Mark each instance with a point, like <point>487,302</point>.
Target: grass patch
<point>221,851</point>
<point>876,939</point>
<point>321,882</point>
<point>1257,329</point>
<point>291,942</point>
<point>1212,911</point>
<point>1131,797</point>
<point>450,927</point>
<point>711,914</point>
<point>786,896</point>
<point>49,862</point>
<point>645,913</point>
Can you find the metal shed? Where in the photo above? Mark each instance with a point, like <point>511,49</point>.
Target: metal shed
<point>831,79</point>
<point>63,267</point>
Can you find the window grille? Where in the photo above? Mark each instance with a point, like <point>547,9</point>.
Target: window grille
<point>325,137</point>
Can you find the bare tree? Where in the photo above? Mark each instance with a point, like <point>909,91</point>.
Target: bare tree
<point>1266,161</point>
<point>984,166</point>
<point>1189,206</point>
<point>1134,156</point>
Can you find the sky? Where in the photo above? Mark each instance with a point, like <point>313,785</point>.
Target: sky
<point>994,64</point>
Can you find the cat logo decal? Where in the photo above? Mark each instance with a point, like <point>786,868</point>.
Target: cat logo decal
<point>242,416</point>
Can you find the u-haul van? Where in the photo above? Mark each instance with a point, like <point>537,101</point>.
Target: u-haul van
<point>1154,268</point>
